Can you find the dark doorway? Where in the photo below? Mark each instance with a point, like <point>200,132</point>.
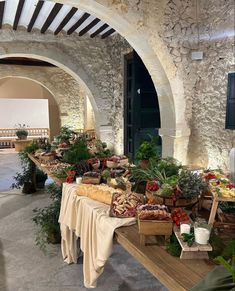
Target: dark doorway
<point>141,108</point>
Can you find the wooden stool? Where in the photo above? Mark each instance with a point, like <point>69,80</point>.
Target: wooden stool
<point>196,251</point>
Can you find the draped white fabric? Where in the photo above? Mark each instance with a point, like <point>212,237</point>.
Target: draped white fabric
<point>88,219</point>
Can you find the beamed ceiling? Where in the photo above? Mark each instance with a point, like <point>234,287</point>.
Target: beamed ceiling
<point>56,17</point>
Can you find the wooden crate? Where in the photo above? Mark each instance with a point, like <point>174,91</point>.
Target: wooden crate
<point>154,227</point>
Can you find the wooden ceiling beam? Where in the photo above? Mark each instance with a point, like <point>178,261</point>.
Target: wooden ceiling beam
<point>18,13</point>
<point>66,20</point>
<point>107,33</point>
<point>54,11</point>
<point>35,15</point>
<point>78,23</point>
<point>2,7</point>
<point>99,30</point>
<point>89,26</point>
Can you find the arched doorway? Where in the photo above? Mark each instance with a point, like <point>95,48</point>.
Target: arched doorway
<point>28,89</point>
<point>174,129</point>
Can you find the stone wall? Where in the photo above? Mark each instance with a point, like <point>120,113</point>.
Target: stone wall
<point>68,93</point>
<point>95,63</point>
<point>207,27</point>
<point>192,94</point>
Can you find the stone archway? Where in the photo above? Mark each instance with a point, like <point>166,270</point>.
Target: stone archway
<point>54,111</point>
<point>127,18</point>
<point>69,97</point>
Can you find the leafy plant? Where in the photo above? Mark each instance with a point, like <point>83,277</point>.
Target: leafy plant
<point>101,149</point>
<point>65,134</point>
<point>227,259</point>
<point>190,184</point>
<point>21,130</point>
<point>174,248</point>
<point>47,219</point>
<point>78,151</point>
<point>25,177</point>
<point>227,207</point>
<point>147,150</point>
<point>169,165</point>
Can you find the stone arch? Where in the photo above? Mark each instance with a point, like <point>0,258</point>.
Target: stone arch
<point>54,110</point>
<point>65,63</point>
<point>175,132</point>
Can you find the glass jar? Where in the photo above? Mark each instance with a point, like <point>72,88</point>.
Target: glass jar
<point>185,227</point>
<point>202,233</point>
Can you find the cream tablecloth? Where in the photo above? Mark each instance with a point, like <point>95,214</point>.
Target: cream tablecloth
<point>88,219</point>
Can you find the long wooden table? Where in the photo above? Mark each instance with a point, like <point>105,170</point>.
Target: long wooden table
<point>45,169</point>
<point>173,273</point>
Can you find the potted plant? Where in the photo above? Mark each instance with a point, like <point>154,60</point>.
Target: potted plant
<point>21,131</point>
<point>47,219</point>
<point>78,151</point>
<point>146,151</point>
<point>26,178</point>
<point>41,178</point>
<point>65,135</point>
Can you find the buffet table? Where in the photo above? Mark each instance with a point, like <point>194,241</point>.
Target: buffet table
<point>88,219</point>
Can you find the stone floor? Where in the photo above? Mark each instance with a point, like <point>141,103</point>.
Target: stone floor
<point>23,267</point>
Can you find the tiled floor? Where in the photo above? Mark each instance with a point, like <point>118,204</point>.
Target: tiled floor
<point>23,267</point>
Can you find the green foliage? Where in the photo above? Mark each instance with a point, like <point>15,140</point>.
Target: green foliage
<point>28,167</point>
<point>65,134</point>
<point>21,133</point>
<point>47,219</point>
<point>166,170</point>
<point>217,244</point>
<point>78,151</point>
<point>227,207</point>
<point>169,166</point>
<point>191,184</point>
<point>148,149</point>
<point>227,259</point>
<point>40,176</point>
<point>101,149</point>
<point>174,248</point>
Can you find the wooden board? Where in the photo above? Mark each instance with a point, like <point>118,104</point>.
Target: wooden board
<point>172,272</point>
<point>58,181</point>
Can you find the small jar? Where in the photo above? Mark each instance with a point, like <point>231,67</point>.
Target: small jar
<point>185,227</point>
<point>202,233</point>
<point>78,180</point>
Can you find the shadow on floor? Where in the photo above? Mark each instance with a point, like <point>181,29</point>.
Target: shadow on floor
<point>3,283</point>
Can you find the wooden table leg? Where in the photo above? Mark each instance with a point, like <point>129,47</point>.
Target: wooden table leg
<point>213,211</point>
<point>142,239</point>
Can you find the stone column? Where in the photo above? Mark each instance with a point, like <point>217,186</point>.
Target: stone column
<point>175,143</point>
<point>105,133</point>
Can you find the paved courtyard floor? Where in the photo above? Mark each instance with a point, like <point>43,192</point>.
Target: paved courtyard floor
<point>23,267</point>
